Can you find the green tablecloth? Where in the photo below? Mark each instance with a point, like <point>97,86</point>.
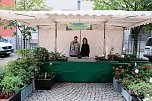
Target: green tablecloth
<point>82,71</point>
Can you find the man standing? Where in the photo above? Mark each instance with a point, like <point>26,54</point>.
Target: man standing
<point>74,47</point>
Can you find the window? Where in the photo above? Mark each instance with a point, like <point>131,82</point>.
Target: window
<point>149,42</point>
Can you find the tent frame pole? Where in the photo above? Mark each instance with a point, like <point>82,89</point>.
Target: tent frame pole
<point>104,32</point>
<point>56,32</point>
<point>123,41</point>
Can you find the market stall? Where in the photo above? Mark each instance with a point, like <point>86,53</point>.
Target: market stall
<point>107,32</point>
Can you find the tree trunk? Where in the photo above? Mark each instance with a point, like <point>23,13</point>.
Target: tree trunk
<point>24,43</point>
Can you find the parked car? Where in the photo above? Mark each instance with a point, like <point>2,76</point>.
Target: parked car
<point>5,47</point>
<point>148,49</point>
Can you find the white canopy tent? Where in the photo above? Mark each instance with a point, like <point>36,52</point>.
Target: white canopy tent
<point>107,30</point>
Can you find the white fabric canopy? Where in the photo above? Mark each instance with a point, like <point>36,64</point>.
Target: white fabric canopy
<point>59,40</point>
<point>112,18</point>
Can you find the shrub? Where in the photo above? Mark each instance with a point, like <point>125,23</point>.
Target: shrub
<point>11,84</point>
<point>40,53</point>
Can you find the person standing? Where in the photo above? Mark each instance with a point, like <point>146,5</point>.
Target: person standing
<point>85,49</point>
<point>74,47</point>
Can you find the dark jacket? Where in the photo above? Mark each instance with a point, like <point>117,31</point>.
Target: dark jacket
<point>85,50</point>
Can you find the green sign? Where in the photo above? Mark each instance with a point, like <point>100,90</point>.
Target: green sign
<point>79,26</point>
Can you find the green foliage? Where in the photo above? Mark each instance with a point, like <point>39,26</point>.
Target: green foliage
<point>128,5</point>
<point>25,30</point>
<point>141,89</point>
<point>148,99</point>
<point>121,72</point>
<point>24,68</point>
<point>102,58</point>
<point>57,56</point>
<point>27,5</point>
<point>11,84</point>
<point>25,53</point>
<point>40,53</point>
<point>30,5</point>
<point>113,57</point>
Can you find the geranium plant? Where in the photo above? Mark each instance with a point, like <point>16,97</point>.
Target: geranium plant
<point>120,72</point>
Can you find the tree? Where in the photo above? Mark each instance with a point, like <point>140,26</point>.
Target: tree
<point>24,5</point>
<point>31,5</point>
<point>128,5</point>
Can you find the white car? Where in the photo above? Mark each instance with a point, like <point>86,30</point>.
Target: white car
<point>5,47</point>
<point>148,49</point>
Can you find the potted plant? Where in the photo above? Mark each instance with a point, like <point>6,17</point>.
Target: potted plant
<point>10,87</point>
<point>56,56</point>
<point>44,80</point>
<point>41,54</point>
<point>113,57</point>
<point>102,58</point>
<point>141,89</point>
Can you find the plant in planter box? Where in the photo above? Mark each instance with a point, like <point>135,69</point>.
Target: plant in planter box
<point>102,58</point>
<point>143,71</point>
<point>44,81</point>
<point>141,89</point>
<point>113,57</point>
<point>41,53</point>
<point>148,99</point>
<point>25,53</point>
<point>120,72</point>
<point>56,56</point>
<point>10,85</point>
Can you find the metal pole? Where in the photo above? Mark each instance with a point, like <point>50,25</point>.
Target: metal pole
<point>123,39</point>
<point>38,36</point>
<point>79,4</point>
<point>104,38</point>
<point>128,44</point>
<point>139,46</point>
<point>55,37</point>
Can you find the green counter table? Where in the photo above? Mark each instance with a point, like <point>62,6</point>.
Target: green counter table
<point>82,71</point>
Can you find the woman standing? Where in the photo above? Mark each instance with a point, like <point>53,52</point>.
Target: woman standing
<point>85,49</point>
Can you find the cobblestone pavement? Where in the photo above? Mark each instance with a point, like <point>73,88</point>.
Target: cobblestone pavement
<point>5,60</point>
<point>77,92</point>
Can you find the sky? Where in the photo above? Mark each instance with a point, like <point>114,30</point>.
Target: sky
<point>68,5</point>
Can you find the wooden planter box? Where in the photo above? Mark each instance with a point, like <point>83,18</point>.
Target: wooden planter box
<point>16,97</point>
<point>125,94</point>
<point>44,84</point>
<point>26,90</point>
<point>116,85</point>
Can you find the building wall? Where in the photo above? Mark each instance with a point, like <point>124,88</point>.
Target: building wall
<point>7,32</point>
<point>8,2</point>
<point>69,5</point>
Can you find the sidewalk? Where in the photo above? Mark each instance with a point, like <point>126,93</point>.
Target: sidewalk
<point>77,92</point>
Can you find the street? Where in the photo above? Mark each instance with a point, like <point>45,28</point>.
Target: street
<point>5,60</point>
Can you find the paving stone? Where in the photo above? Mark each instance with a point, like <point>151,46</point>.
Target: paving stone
<point>77,92</point>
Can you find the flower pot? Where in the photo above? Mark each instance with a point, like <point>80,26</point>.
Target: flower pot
<point>44,84</point>
<point>6,96</point>
<point>1,95</point>
<point>16,97</point>
<point>11,94</point>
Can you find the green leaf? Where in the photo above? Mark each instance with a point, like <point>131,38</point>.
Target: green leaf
<point>11,28</point>
<point>15,33</point>
<point>5,27</point>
